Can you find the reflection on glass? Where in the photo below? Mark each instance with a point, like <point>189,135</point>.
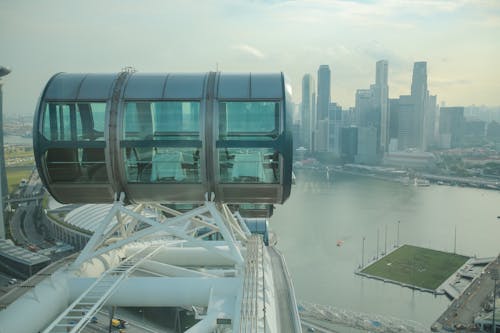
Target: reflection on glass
<point>249,165</point>
<point>165,120</point>
<point>248,120</point>
<point>162,165</point>
<point>76,165</point>
<point>151,121</point>
<point>64,121</point>
<point>78,122</point>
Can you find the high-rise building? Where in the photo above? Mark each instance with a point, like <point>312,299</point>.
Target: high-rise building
<point>407,130</point>
<point>493,131</point>
<point>307,107</point>
<point>451,126</point>
<point>348,143</point>
<point>393,118</point>
<point>367,145</point>
<point>372,106</point>
<point>381,100</point>
<point>420,97</point>
<point>364,107</point>
<point>430,121</point>
<point>393,124</point>
<point>334,124</point>
<point>323,100</point>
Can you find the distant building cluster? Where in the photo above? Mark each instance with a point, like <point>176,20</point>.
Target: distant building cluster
<point>378,128</point>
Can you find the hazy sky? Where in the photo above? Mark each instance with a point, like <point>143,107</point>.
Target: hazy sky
<point>460,40</point>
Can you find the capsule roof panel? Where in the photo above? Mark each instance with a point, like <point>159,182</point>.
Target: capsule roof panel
<point>185,86</point>
<point>165,86</point>
<point>96,87</point>
<point>145,86</point>
<point>266,86</point>
<point>250,86</point>
<point>66,86</point>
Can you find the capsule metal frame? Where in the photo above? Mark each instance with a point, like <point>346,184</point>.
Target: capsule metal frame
<point>236,152</point>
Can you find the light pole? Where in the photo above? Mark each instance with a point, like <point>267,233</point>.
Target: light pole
<point>3,177</point>
<point>455,242</point>
<point>494,276</point>
<point>398,234</point>
<point>378,242</point>
<point>385,246</point>
<point>363,253</point>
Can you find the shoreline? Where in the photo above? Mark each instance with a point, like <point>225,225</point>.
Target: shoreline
<point>403,179</point>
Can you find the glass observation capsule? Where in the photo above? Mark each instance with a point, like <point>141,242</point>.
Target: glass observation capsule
<point>167,138</point>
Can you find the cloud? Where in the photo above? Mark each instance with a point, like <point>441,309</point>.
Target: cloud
<point>253,51</point>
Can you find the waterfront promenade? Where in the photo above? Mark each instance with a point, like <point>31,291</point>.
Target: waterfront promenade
<point>468,305</point>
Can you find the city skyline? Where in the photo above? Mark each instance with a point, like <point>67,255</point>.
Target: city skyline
<point>456,38</point>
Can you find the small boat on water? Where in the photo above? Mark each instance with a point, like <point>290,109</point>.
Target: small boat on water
<point>421,182</point>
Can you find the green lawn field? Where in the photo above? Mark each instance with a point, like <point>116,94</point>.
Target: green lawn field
<point>417,266</point>
<point>15,174</point>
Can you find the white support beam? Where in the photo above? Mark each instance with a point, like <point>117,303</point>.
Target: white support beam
<point>98,236</point>
<point>234,255</point>
<point>225,233</point>
<point>242,223</point>
<point>172,270</point>
<point>233,222</point>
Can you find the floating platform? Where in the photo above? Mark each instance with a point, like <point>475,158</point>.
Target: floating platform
<point>415,267</point>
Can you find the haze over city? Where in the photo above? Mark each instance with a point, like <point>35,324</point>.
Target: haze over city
<point>458,39</point>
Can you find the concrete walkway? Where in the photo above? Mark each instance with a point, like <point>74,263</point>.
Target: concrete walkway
<point>467,306</point>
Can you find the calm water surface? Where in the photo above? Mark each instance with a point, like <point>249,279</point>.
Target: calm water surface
<point>319,213</point>
<point>17,140</point>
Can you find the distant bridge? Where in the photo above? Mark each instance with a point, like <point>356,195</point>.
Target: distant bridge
<point>480,182</point>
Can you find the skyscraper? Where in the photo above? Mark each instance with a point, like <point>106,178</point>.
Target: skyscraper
<point>381,95</point>
<point>335,123</point>
<point>307,116</point>
<point>367,145</point>
<point>372,107</point>
<point>430,121</point>
<point>393,118</point>
<point>420,97</point>
<point>406,123</point>
<point>324,77</point>
<point>451,126</point>
<point>364,107</point>
<point>323,101</point>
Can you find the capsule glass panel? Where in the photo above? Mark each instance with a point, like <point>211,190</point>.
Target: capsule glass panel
<point>152,132</point>
<point>75,122</point>
<point>249,165</point>
<point>255,120</point>
<point>162,165</point>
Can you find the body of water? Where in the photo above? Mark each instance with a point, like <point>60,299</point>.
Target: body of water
<point>17,140</point>
<point>318,214</point>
